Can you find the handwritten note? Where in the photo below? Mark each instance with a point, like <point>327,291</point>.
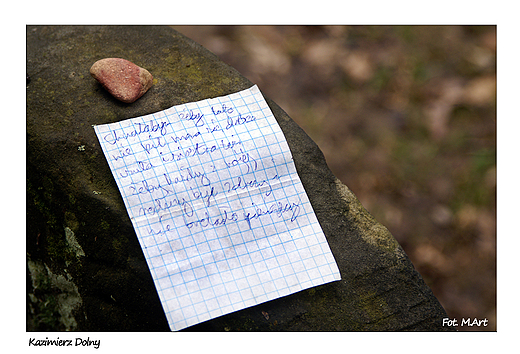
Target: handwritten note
<point>217,205</point>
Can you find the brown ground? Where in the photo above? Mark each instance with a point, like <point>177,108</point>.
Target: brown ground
<point>406,117</point>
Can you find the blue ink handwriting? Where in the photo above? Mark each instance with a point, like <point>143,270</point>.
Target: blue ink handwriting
<point>232,121</point>
<point>240,184</point>
<point>113,137</point>
<point>213,221</point>
<point>122,153</point>
<point>250,162</point>
<point>141,167</point>
<point>154,145</point>
<point>276,208</point>
<point>195,117</point>
<point>224,109</point>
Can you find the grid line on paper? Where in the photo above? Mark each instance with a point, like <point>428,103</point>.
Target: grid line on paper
<point>157,244</point>
<point>240,291</point>
<point>213,262</point>
<point>182,309</point>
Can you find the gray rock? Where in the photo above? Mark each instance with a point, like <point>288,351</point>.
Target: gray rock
<point>81,248</point>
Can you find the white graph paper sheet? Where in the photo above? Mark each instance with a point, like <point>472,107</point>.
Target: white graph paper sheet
<point>217,205</point>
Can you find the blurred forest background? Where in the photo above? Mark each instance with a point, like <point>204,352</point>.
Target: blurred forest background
<point>406,118</point>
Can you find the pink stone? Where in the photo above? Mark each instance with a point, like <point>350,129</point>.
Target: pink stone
<point>122,78</point>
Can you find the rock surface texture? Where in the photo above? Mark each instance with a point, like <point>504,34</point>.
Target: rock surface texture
<point>85,268</point>
<point>122,78</point>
